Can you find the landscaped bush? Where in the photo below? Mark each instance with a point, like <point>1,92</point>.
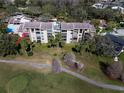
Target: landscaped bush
<point>30,53</point>
<point>114,70</point>
<point>68,57</point>
<point>70,60</point>
<point>56,65</point>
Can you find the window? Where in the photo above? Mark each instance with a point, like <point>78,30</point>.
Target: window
<point>38,37</point>
<point>64,39</point>
<point>75,30</point>
<point>32,30</point>
<point>37,29</point>
<point>80,35</point>
<point>37,32</point>
<point>64,34</point>
<point>80,30</point>
<point>49,30</point>
<point>27,29</point>
<point>64,30</point>
<point>71,38</point>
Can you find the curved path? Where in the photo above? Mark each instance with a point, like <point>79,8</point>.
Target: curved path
<point>39,65</point>
<point>98,84</point>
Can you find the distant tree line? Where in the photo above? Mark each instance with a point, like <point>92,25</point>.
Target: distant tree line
<point>69,10</point>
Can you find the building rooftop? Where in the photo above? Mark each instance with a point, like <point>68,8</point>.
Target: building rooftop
<point>36,25</point>
<point>49,25</point>
<point>71,26</point>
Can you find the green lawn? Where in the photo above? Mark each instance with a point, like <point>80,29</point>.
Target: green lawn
<point>91,62</point>
<point>93,70</point>
<point>122,57</point>
<point>14,80</point>
<point>43,49</point>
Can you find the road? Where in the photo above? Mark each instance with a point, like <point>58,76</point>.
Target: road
<point>90,81</point>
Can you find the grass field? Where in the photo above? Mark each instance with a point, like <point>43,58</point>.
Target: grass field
<point>91,62</point>
<point>23,81</point>
<point>93,69</point>
<point>122,57</point>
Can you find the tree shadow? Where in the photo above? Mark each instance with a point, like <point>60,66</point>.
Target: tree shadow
<point>103,66</point>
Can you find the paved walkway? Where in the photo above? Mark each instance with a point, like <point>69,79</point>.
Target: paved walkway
<point>35,65</point>
<point>98,84</point>
<point>39,65</point>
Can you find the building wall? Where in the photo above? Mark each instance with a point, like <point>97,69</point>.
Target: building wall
<point>38,35</point>
<point>122,10</point>
<point>45,37</point>
<point>69,36</point>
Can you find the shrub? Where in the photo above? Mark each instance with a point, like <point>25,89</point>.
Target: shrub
<point>114,70</point>
<point>30,53</point>
<point>56,65</point>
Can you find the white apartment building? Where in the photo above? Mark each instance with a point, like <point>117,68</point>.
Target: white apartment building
<point>41,31</point>
<point>71,32</point>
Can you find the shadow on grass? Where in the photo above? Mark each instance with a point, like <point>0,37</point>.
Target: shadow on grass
<point>103,67</point>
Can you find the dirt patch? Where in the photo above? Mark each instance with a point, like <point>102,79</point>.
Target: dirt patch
<point>29,68</point>
<point>43,58</point>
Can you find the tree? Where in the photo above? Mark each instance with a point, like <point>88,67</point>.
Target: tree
<point>36,3</point>
<point>99,45</point>
<point>49,8</point>
<point>114,70</point>
<point>96,22</point>
<point>26,47</point>
<point>77,48</point>
<point>59,41</point>
<point>8,44</point>
<point>69,58</point>
<point>11,9</point>
<point>33,10</point>
<point>79,13</point>
<point>63,13</point>
<point>20,3</point>
<point>56,41</point>
<point>2,3</point>
<point>111,25</point>
<point>102,45</point>
<point>51,42</point>
<point>45,17</point>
